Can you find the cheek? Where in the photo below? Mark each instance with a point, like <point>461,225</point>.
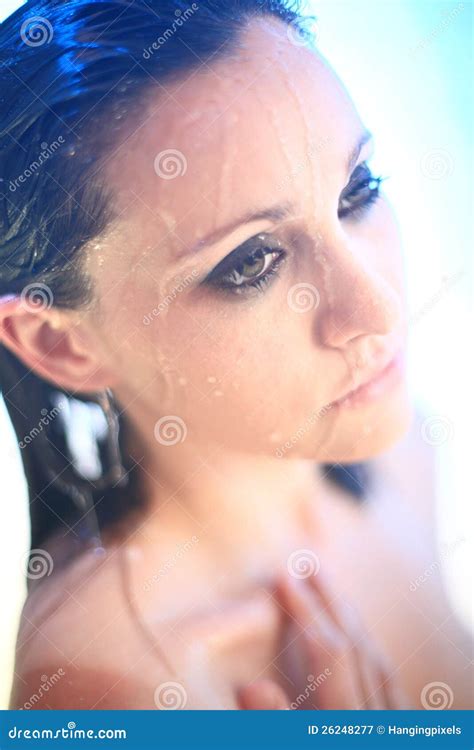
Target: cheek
<point>243,375</point>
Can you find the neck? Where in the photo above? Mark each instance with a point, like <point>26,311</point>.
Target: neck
<point>249,513</point>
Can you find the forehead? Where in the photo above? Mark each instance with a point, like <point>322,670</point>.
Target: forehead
<point>271,122</point>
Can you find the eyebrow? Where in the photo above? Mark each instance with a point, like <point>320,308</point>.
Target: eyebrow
<point>277,212</point>
<point>355,153</point>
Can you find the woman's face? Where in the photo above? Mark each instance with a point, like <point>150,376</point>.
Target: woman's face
<point>249,283</point>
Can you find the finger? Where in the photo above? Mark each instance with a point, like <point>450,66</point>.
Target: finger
<point>307,612</point>
<point>263,695</point>
<point>378,687</point>
<point>367,656</point>
<point>371,686</point>
<point>388,684</point>
<point>338,684</point>
<point>327,651</point>
<point>339,610</point>
<point>333,628</point>
<point>395,697</point>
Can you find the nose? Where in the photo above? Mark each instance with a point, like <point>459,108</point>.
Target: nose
<point>355,301</point>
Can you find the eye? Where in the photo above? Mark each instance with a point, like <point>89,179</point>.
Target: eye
<point>363,190</point>
<point>249,268</point>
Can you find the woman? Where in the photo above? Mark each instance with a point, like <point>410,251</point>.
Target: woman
<point>203,337</point>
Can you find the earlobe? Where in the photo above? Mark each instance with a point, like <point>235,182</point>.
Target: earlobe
<point>53,345</point>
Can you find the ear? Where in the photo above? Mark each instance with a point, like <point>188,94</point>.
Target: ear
<point>59,345</point>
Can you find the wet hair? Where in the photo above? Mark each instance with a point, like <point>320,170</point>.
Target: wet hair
<point>71,74</point>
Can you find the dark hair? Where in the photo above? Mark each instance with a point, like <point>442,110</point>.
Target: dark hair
<point>67,68</point>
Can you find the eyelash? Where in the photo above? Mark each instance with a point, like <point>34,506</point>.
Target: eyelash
<point>361,181</point>
<point>260,247</point>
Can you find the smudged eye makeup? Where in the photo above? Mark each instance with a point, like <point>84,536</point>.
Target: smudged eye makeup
<point>250,267</point>
<point>254,264</point>
<point>362,190</point>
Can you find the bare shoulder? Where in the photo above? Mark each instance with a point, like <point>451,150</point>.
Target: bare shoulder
<point>78,644</point>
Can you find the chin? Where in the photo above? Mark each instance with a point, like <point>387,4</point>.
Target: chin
<point>361,433</point>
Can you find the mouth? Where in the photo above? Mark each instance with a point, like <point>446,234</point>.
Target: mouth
<point>379,385</point>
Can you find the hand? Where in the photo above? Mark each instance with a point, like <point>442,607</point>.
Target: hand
<point>342,667</point>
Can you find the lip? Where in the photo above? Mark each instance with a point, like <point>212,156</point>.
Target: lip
<point>379,385</point>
